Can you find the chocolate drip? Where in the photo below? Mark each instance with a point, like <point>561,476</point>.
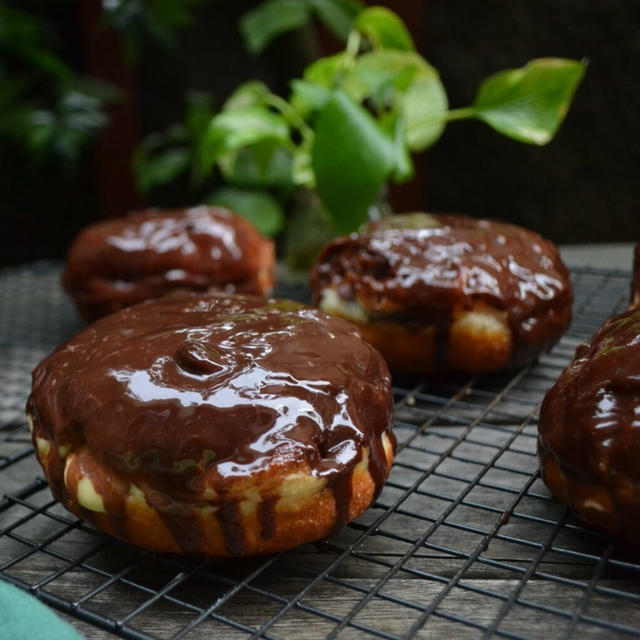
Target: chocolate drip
<point>232,529</point>
<point>185,529</point>
<point>180,519</point>
<point>267,517</point>
<point>342,489</point>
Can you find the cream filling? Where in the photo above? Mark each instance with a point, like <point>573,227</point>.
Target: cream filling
<point>44,446</point>
<point>86,493</point>
<point>474,321</point>
<point>88,497</point>
<point>485,321</point>
<point>352,310</point>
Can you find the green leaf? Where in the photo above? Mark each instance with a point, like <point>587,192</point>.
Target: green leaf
<point>424,107</point>
<point>259,207</point>
<point>302,168</point>
<point>338,15</point>
<point>307,96</point>
<point>231,130</point>
<point>402,164</point>
<point>159,170</point>
<point>352,156</point>
<point>384,29</point>
<point>383,68</point>
<point>270,19</point>
<point>530,103</point>
<point>416,92</point>
<point>324,71</point>
<point>266,164</point>
<point>334,71</point>
<point>248,94</point>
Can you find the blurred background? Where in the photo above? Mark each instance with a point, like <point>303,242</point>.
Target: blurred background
<point>87,82</point>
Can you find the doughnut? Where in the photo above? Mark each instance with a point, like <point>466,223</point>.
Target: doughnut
<point>212,424</point>
<point>589,430</point>
<point>447,292</point>
<point>588,440</point>
<point>120,262</point>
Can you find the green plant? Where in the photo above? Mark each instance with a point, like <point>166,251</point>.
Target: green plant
<point>47,111</point>
<point>157,19</point>
<point>351,123</point>
<point>274,17</point>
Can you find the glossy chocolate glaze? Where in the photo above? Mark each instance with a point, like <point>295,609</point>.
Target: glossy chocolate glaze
<point>188,392</point>
<point>120,262</point>
<point>590,419</point>
<point>418,269</point>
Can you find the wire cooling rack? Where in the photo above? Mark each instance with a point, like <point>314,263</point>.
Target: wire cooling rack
<point>464,540</point>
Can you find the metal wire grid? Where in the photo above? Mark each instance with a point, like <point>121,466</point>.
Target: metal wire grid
<point>464,539</point>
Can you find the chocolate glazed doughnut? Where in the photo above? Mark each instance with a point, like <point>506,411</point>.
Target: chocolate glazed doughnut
<point>438,292</point>
<point>117,263</point>
<point>589,427</point>
<point>215,424</point>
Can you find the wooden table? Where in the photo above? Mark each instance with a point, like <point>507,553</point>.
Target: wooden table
<point>464,541</point>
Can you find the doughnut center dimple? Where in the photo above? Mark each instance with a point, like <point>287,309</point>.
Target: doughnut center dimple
<point>198,357</point>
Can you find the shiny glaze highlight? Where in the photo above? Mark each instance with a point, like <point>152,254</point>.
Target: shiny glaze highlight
<point>120,262</point>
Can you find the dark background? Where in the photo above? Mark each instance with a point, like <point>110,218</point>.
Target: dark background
<point>580,188</point>
<point>583,186</point>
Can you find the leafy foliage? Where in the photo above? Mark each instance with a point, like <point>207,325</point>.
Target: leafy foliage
<point>46,109</point>
<point>157,19</point>
<point>275,17</point>
<point>259,207</point>
<point>363,144</point>
<point>238,128</point>
<point>352,121</point>
<point>384,29</point>
<point>260,26</point>
<point>163,157</point>
<point>529,104</point>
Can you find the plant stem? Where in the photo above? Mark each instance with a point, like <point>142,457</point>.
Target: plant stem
<point>460,114</point>
<point>448,116</point>
<point>290,114</point>
<point>353,44</point>
<point>350,54</point>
